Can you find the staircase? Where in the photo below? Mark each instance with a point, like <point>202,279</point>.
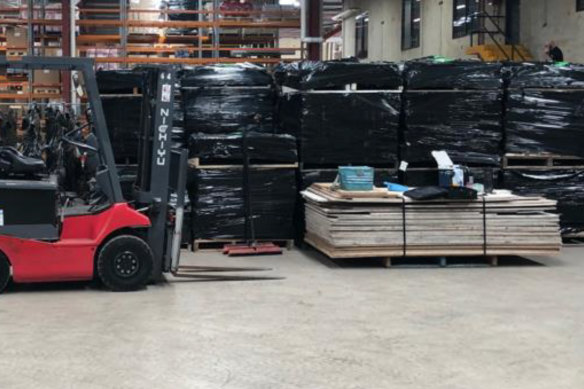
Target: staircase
<point>494,50</point>
<point>494,53</point>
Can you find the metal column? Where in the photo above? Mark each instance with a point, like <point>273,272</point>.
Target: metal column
<point>66,48</point>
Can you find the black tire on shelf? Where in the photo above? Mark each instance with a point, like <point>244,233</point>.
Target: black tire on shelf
<point>4,272</point>
<point>124,263</point>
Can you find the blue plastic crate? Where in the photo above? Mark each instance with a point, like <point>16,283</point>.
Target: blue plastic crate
<point>356,178</point>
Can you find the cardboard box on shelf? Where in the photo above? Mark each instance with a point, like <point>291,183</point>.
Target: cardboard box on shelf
<point>47,81</point>
<point>16,38</point>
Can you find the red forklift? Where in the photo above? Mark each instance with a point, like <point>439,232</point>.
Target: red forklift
<point>125,245</point>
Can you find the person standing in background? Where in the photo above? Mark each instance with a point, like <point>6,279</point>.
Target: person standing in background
<point>553,52</point>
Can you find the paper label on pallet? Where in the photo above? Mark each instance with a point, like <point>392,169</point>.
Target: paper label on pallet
<point>166,93</point>
<point>403,166</point>
<point>1,217</point>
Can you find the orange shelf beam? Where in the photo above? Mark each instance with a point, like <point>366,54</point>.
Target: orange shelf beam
<point>185,61</point>
<point>190,49</point>
<point>161,24</point>
<point>29,96</point>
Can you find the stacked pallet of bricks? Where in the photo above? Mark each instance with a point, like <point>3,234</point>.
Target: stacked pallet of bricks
<point>454,106</point>
<point>343,113</point>
<point>121,93</point>
<point>229,118</point>
<point>544,132</point>
<point>387,224</point>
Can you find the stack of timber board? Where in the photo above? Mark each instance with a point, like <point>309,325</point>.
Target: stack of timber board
<point>346,225</point>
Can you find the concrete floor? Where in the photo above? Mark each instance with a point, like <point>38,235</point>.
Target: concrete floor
<point>324,326</point>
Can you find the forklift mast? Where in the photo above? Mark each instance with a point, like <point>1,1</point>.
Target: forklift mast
<point>161,170</point>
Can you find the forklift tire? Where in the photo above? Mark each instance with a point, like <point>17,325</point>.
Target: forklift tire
<point>4,272</point>
<point>125,263</point>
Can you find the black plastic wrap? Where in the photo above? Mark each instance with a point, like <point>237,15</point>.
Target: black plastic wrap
<point>426,74</point>
<point>565,186</point>
<point>288,74</point>
<point>226,75</point>
<point>349,128</point>
<point>119,81</point>
<point>539,121</point>
<point>127,174</point>
<point>219,204</point>
<point>467,124</point>
<point>225,110</point>
<point>122,115</point>
<point>546,75</point>
<point>337,74</point>
<point>289,108</point>
<point>261,147</point>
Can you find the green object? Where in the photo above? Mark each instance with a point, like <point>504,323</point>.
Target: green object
<point>562,64</point>
<point>441,59</point>
<point>355,178</point>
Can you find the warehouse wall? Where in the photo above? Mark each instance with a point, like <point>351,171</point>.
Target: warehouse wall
<point>545,20</point>
<point>541,21</point>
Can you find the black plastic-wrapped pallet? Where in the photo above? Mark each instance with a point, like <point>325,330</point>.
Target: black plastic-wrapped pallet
<point>122,115</point>
<point>226,75</point>
<point>288,110</point>
<point>219,110</point>
<point>334,75</point>
<point>349,128</point>
<point>288,75</point>
<point>545,121</point>
<point>428,74</point>
<point>218,202</point>
<point>546,75</point>
<point>467,124</point>
<point>565,186</point>
<point>228,148</point>
<point>120,81</point>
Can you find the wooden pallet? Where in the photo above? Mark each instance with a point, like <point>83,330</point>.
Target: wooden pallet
<point>488,260</point>
<point>196,163</point>
<point>206,245</point>
<point>389,165</point>
<point>544,160</point>
<point>352,88</point>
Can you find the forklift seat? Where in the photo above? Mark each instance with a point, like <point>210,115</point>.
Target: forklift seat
<point>14,162</point>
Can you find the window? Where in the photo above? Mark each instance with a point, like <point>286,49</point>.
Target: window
<point>463,22</point>
<point>361,35</point>
<point>410,24</point>
<point>579,5</point>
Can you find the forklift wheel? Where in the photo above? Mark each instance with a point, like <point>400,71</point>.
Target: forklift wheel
<point>4,272</point>
<point>124,263</point>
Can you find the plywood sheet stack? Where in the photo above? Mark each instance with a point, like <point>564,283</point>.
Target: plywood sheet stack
<point>386,224</point>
